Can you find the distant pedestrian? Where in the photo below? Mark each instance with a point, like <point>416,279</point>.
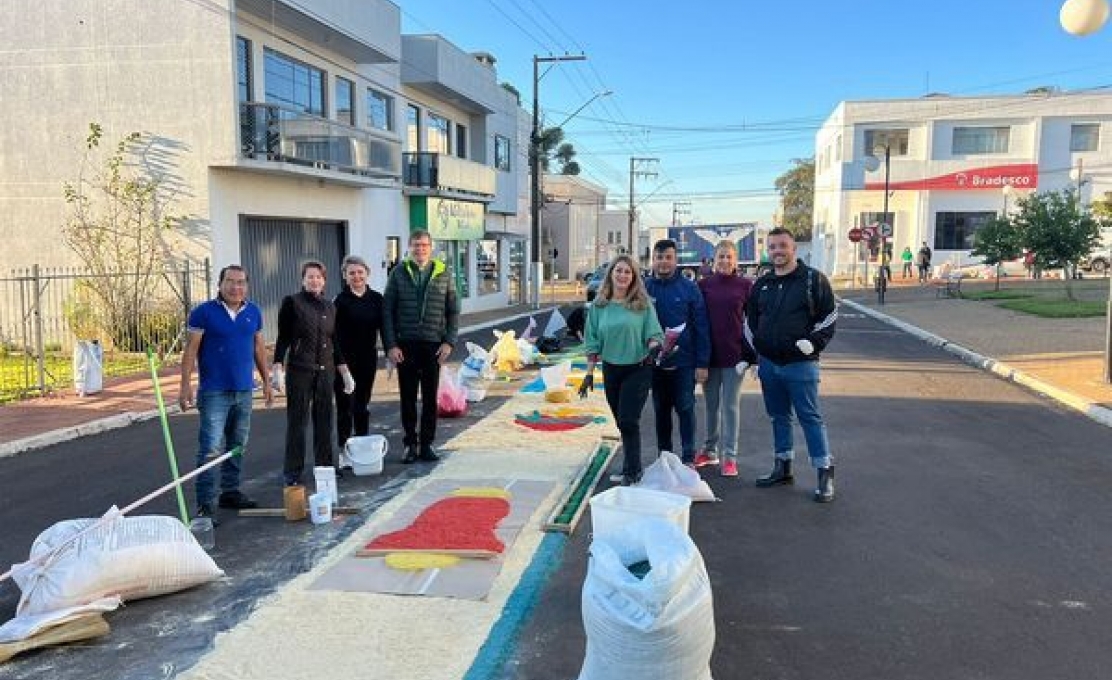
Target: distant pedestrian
<point>790,316</point>
<point>923,260</point>
<point>730,356</point>
<point>225,341</point>
<point>906,257</point>
<point>678,301</point>
<point>420,325</point>
<point>307,348</point>
<point>624,334</point>
<point>358,328</point>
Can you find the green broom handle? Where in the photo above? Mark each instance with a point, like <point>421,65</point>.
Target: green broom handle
<point>166,436</point>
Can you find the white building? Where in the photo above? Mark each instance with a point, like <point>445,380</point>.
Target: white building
<point>286,128</point>
<point>578,231</point>
<point>949,161</point>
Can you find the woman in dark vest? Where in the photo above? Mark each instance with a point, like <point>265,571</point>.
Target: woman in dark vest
<point>358,327</point>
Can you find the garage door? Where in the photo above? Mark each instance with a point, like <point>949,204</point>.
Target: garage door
<point>273,250</point>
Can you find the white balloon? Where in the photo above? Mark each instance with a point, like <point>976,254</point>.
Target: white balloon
<point>1082,17</point>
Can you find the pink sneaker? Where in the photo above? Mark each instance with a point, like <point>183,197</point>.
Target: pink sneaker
<point>702,459</point>
<point>729,468</point>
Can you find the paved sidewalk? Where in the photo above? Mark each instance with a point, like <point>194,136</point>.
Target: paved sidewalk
<point>1062,358</point>
<point>34,423</point>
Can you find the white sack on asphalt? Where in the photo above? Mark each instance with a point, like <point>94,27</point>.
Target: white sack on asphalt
<point>668,473</point>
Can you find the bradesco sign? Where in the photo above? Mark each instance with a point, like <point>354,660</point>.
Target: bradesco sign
<point>995,177</point>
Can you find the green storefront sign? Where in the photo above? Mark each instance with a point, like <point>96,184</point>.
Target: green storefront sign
<point>447,219</point>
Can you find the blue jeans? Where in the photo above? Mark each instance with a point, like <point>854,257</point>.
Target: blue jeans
<point>723,395</point>
<point>795,387</point>
<point>674,389</point>
<point>225,422</point>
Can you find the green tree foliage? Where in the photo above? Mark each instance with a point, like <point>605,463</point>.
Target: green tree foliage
<point>554,148</point>
<point>997,242</point>
<point>1102,208</point>
<point>1057,229</point>
<point>797,197</point>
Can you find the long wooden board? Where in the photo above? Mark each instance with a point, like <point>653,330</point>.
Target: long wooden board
<point>84,628</point>
<point>281,512</point>
<point>551,524</point>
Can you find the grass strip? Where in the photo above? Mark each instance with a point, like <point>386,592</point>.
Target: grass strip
<point>1056,309</point>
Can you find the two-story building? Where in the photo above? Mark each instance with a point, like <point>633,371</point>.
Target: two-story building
<point>950,164</point>
<point>578,231</point>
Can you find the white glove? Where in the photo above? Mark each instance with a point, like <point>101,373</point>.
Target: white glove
<point>277,378</point>
<point>742,367</point>
<point>349,382</point>
<point>805,346</point>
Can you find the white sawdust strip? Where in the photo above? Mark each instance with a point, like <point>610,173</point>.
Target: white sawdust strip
<point>326,635</point>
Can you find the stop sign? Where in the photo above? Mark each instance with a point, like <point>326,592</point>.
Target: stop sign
<point>855,235</point>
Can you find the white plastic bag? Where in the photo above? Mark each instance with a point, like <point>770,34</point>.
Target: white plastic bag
<point>528,351</point>
<point>130,557</point>
<point>668,473</point>
<point>660,627</point>
<point>451,398</point>
<point>475,373</point>
<point>555,379</point>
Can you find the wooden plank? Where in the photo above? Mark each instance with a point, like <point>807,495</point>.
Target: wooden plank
<point>83,628</point>
<point>379,552</point>
<point>551,524</point>
<point>281,512</point>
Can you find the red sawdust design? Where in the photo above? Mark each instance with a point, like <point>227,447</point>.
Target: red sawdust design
<point>464,523</point>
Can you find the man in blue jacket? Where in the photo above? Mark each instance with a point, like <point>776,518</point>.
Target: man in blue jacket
<point>678,301</point>
<point>790,318</point>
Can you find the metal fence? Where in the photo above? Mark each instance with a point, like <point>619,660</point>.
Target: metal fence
<point>45,311</point>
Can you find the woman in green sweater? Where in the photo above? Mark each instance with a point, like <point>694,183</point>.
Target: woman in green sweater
<point>625,335</point>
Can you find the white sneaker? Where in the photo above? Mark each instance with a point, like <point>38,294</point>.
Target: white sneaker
<point>617,479</point>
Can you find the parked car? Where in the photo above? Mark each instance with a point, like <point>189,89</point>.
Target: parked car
<point>1097,261</point>
<point>595,279</point>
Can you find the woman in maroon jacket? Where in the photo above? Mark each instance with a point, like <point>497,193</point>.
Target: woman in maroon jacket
<point>725,294</point>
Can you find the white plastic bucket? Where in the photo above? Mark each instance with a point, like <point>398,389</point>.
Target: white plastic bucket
<point>614,508</point>
<point>365,454</point>
<point>325,478</point>
<point>320,508</point>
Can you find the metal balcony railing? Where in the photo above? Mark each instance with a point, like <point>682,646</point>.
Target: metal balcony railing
<point>441,172</point>
<point>277,133</point>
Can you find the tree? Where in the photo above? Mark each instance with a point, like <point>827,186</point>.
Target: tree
<point>1057,229</point>
<point>997,242</point>
<point>797,197</point>
<point>119,216</point>
<point>553,147</point>
<point>1102,208</point>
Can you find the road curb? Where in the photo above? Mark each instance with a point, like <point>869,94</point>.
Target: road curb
<point>66,434</point>
<point>1000,369</point>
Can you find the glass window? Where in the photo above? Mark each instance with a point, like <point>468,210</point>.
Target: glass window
<point>438,139</point>
<point>502,152</point>
<point>489,271</point>
<point>461,140</point>
<point>979,140</point>
<point>345,101</point>
<point>895,140</point>
<point>412,129</point>
<point>1085,137</point>
<point>380,110</point>
<point>294,84</point>
<point>955,230</point>
<point>243,69</point>
<point>454,254</point>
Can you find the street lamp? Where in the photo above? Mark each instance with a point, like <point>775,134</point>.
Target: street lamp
<point>597,95</point>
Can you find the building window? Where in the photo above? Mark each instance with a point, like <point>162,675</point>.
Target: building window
<point>461,140</point>
<point>895,140</point>
<point>345,101</point>
<point>293,84</point>
<point>438,139</point>
<point>412,129</point>
<point>487,259</point>
<point>502,153</point>
<point>1085,137</point>
<point>380,110</point>
<point>243,69</point>
<point>980,140</point>
<point>955,230</point>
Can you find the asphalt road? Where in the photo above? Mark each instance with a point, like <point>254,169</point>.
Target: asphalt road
<point>969,539</point>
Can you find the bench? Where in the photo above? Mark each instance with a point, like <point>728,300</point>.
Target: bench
<point>948,286</point>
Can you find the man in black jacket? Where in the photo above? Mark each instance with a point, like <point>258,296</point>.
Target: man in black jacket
<point>790,317</point>
<point>419,328</point>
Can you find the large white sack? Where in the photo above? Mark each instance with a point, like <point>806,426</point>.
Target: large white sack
<point>660,627</point>
<point>129,557</point>
<point>668,473</point>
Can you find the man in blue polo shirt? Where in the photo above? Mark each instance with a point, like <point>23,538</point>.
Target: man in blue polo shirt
<point>225,341</point>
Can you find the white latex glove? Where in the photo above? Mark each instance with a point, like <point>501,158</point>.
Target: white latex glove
<point>277,378</point>
<point>349,382</point>
<point>805,346</point>
<point>742,367</point>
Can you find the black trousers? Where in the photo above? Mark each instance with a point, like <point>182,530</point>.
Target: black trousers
<point>420,369</point>
<point>351,409</point>
<point>627,390</point>
<point>308,394</point>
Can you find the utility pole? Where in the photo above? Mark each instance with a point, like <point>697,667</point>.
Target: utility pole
<point>535,198</point>
<point>636,163</point>
<point>679,209</point>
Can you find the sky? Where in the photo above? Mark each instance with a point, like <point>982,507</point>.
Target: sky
<point>726,93</point>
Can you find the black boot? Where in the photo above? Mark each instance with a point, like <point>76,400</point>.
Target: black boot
<point>781,474</point>
<point>825,491</point>
<point>411,454</point>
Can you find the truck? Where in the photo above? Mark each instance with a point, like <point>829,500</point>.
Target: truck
<point>695,243</point>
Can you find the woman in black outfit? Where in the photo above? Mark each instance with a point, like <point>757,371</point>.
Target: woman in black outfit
<point>307,346</point>
<point>358,327</point>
